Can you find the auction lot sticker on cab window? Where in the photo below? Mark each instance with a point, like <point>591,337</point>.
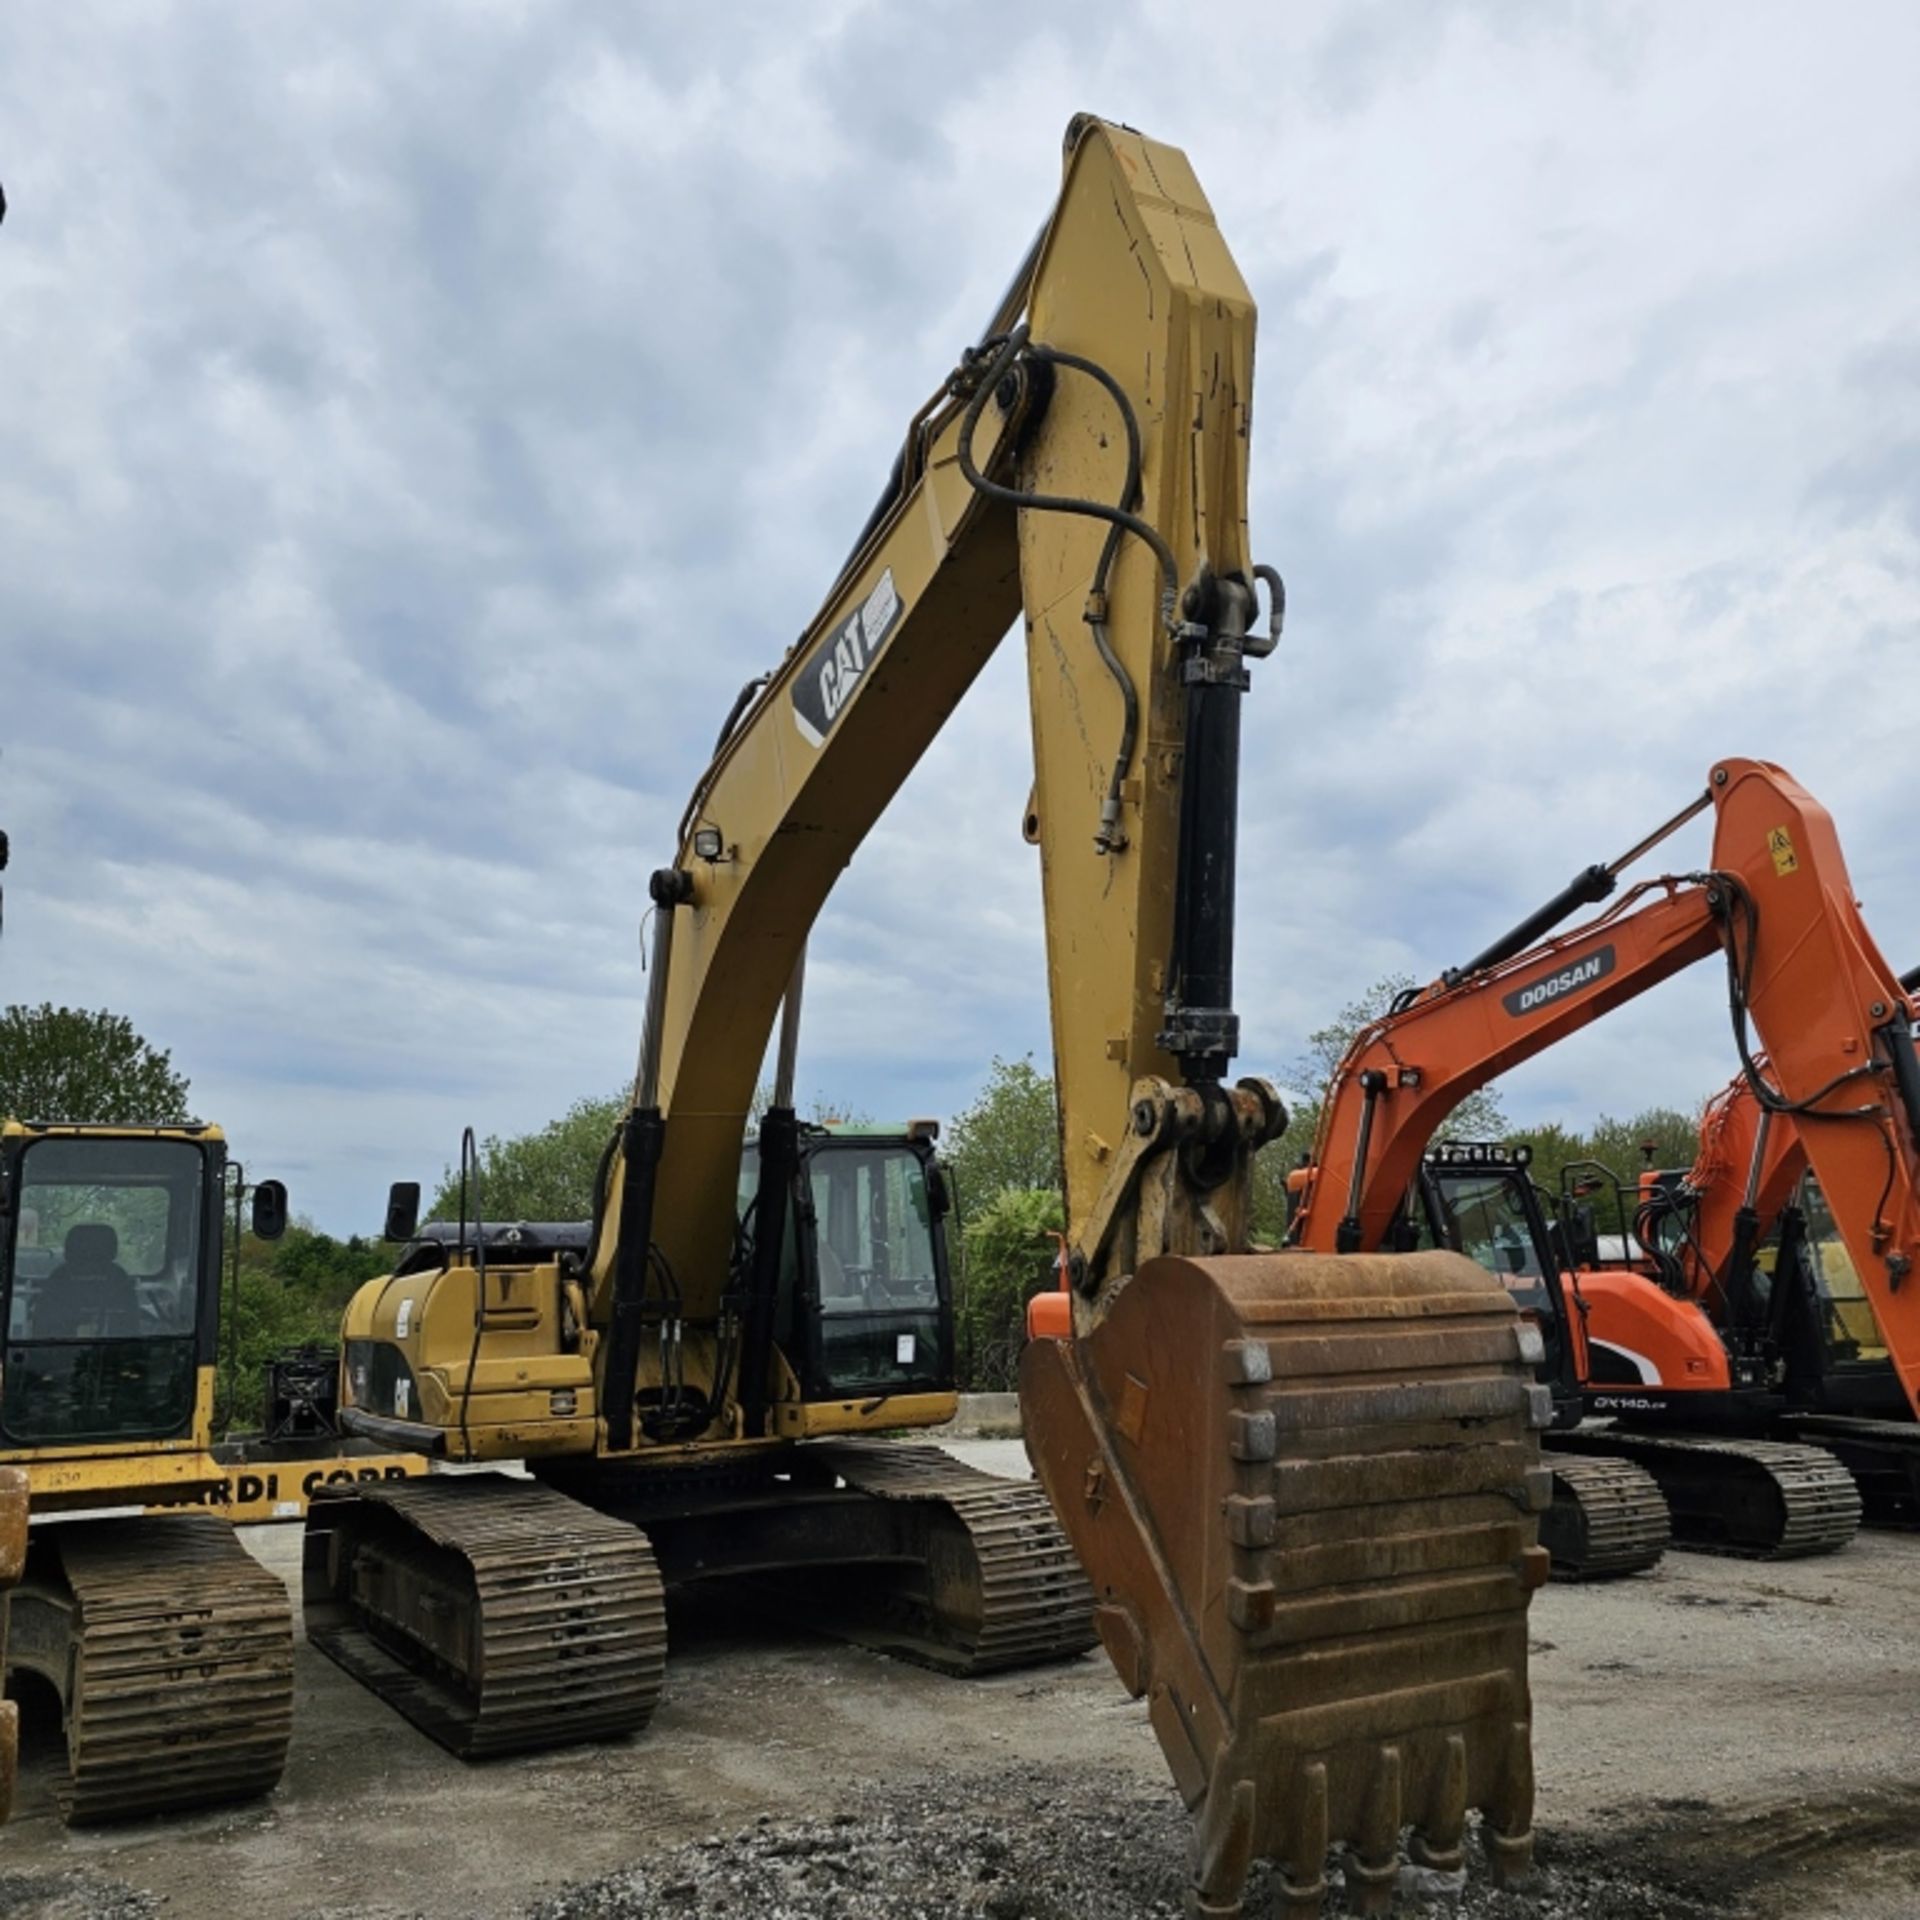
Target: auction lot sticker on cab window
<point>831,674</point>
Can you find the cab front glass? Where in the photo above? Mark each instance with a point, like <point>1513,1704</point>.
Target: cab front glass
<point>102,1290</point>
<point>865,1306</point>
<point>1488,1214</point>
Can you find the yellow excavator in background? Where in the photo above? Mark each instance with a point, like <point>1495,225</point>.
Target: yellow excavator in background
<point>1305,1488</point>
<point>169,1647</point>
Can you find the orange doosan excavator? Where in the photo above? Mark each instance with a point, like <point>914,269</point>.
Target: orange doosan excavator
<point>1803,974</point>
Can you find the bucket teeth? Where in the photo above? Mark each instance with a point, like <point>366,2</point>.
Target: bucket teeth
<point>1325,1606</point>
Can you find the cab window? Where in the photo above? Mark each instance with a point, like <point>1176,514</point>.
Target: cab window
<point>1483,1217</point>
<point>873,1230</point>
<point>102,1289</point>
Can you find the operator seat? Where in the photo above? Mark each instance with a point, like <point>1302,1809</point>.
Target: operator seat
<point>89,1291</point>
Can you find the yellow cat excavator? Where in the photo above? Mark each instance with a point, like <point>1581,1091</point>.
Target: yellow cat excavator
<point>1305,1489</point>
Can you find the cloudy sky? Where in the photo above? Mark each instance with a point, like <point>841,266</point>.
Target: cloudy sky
<point>417,421</point>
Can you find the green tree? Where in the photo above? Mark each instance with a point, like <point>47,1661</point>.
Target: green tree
<point>1554,1146</point>
<point>1267,1225</point>
<point>1008,1137</point>
<point>64,1063</point>
<point>543,1175</point>
<point>1010,1251</point>
<point>1656,1136</point>
<point>292,1292</point>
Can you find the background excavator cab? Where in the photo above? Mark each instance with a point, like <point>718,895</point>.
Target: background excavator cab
<point>109,1282</point>
<point>1478,1199</point>
<point>865,1299</point>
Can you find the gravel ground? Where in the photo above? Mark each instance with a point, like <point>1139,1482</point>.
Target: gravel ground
<point>1022,1848</point>
<point>1716,1741</point>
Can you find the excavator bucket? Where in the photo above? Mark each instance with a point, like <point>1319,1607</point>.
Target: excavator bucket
<point>13,1557</point>
<point>1307,1492</point>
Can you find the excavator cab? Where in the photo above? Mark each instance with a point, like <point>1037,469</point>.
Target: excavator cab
<point>1849,1326</point>
<point>1838,1358</point>
<point>865,1299</point>
<point>109,1281</point>
<point>1478,1199</point>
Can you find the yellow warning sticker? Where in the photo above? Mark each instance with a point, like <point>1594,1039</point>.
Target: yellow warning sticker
<point>1780,845</point>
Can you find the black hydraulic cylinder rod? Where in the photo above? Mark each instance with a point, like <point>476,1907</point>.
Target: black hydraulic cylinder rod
<point>643,1140</point>
<point>1346,1238</point>
<point>1587,888</point>
<point>1793,1287</point>
<point>1909,981</point>
<point>1897,1037</point>
<point>1202,1030</point>
<point>772,1208</point>
<point>1736,1277</point>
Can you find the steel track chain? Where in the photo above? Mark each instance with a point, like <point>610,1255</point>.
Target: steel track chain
<point>1033,1603</point>
<point>557,1630</point>
<point>1608,1519</point>
<point>1746,1499</point>
<point>178,1649</point>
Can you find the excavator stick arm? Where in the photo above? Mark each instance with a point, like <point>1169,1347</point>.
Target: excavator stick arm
<point>1086,467</point>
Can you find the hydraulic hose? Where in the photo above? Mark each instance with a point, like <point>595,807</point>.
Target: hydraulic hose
<point>1121,520</point>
